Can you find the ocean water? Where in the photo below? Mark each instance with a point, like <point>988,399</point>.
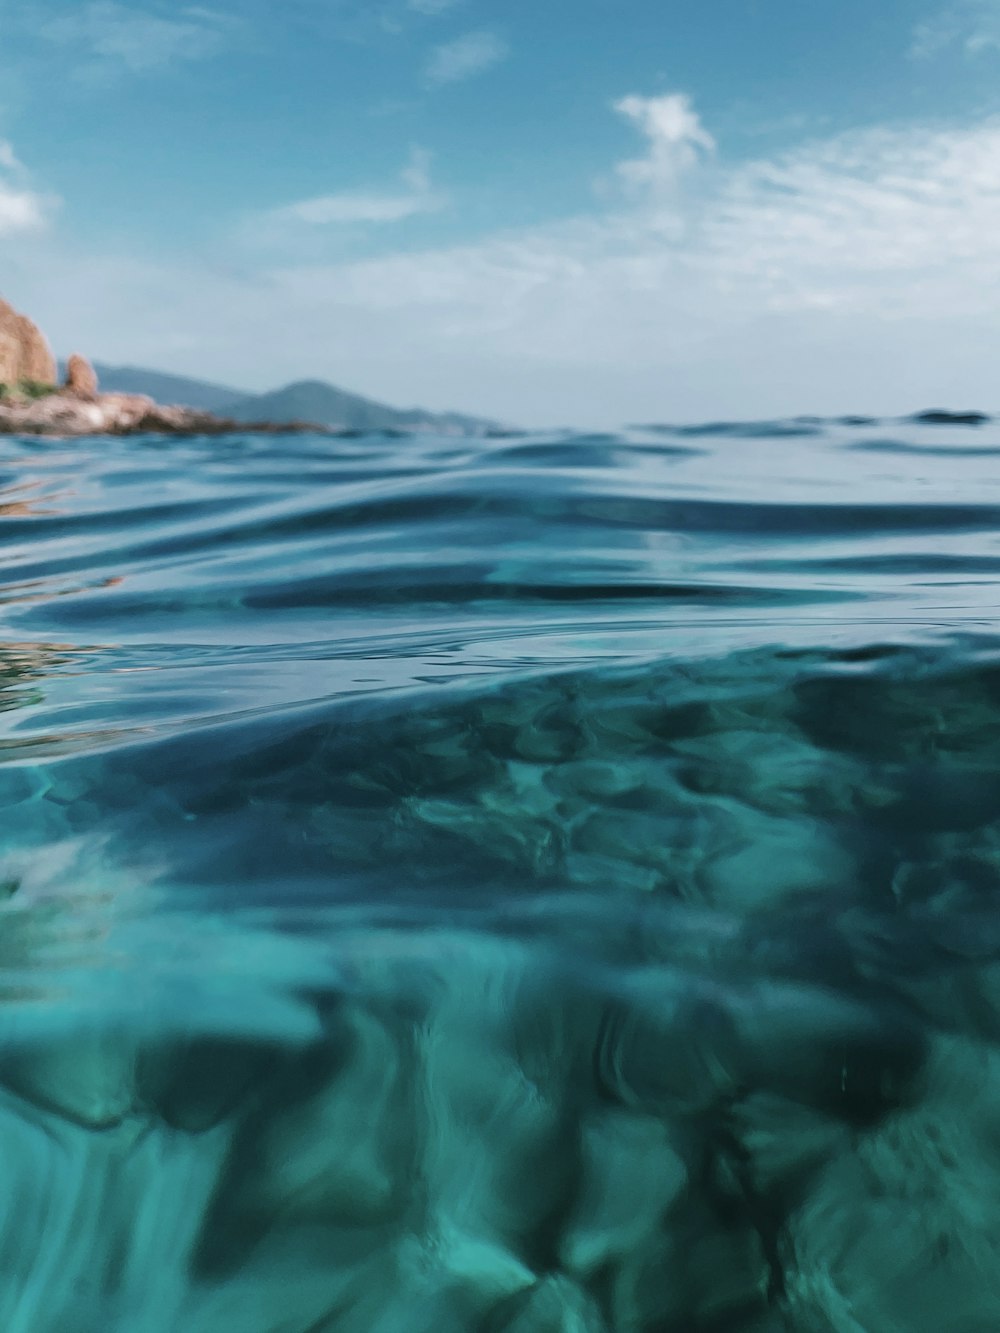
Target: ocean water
<point>547,884</point>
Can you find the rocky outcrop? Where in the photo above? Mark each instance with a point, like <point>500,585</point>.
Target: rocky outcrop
<point>80,379</point>
<point>65,414</point>
<point>24,353</point>
<point>78,408</point>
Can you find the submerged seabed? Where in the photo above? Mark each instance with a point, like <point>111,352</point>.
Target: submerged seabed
<point>539,885</point>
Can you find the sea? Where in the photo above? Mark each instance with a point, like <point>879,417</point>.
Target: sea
<point>544,883</point>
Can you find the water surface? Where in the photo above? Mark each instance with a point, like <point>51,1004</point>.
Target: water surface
<point>532,884</point>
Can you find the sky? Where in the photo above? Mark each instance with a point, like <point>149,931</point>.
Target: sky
<point>586,214</point>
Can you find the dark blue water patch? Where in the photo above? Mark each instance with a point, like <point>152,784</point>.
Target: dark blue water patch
<point>587,452</point>
<point>926,450</point>
<point>659,429</point>
<point>750,430</point>
<point>97,522</point>
<point>142,612</point>
<point>928,564</point>
<point>511,499</point>
<point>938,417</point>
<point>448,884</point>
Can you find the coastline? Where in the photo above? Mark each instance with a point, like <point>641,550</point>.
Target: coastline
<point>63,415</point>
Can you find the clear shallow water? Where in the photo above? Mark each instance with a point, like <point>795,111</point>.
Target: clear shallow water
<point>540,884</point>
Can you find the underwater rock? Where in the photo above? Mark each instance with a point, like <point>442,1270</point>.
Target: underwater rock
<point>498,1139</point>
<point>763,861</point>
<point>287,1172</point>
<point>707,1270</point>
<point>87,1077</point>
<point>733,1101</point>
<point>827,1050</point>
<point>341,1155</point>
<point>784,1145</point>
<point>897,1232</point>
<point>199,1082</point>
<point>631,1177</point>
<point>554,1305</point>
<point>676,1054</point>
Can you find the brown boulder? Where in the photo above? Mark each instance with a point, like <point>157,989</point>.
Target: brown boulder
<point>24,353</point>
<point>81,381</point>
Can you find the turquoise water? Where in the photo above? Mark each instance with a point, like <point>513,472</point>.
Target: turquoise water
<point>529,885</point>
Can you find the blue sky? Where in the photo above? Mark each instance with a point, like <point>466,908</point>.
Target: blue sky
<point>606,211</point>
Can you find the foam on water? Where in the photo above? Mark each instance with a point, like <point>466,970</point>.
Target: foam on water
<point>521,885</point>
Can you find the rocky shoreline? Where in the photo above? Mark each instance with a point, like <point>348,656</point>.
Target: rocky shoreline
<point>32,403</point>
<point>64,414</point>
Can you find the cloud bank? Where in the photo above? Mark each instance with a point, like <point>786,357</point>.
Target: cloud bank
<point>857,272</point>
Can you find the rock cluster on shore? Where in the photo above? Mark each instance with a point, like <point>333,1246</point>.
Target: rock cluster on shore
<point>31,402</point>
<point>65,414</point>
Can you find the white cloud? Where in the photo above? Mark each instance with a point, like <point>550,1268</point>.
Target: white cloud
<point>135,39</point>
<point>465,57</point>
<point>973,25</point>
<point>858,272</point>
<point>675,137</point>
<point>365,206</point>
<point>862,214</point>
<point>22,209</point>
<point>351,206</point>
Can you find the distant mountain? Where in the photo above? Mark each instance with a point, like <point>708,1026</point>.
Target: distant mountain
<point>308,400</point>
<point>313,400</point>
<point>167,389</point>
